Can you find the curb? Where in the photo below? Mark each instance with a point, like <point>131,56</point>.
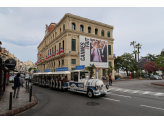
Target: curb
<point>18,110</point>
<point>157,84</point>
<point>21,109</point>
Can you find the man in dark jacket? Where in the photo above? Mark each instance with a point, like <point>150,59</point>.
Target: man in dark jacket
<point>103,51</point>
<point>16,85</point>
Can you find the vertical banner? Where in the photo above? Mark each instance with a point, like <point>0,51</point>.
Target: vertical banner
<point>93,51</point>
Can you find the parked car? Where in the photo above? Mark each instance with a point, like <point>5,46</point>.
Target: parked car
<point>155,77</point>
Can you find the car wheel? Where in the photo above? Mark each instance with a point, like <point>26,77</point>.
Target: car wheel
<point>90,93</point>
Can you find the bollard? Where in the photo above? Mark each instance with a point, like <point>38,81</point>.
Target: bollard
<point>10,101</point>
<point>28,86</point>
<point>30,94</point>
<point>31,90</point>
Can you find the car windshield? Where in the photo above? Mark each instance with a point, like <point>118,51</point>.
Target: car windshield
<point>156,76</point>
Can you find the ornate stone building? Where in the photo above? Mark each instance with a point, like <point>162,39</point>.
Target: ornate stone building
<point>65,34</point>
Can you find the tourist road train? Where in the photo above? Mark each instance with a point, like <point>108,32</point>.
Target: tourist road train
<point>79,82</point>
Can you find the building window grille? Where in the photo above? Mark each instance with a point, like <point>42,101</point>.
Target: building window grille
<point>73,61</point>
<point>109,49</point>
<point>81,28</point>
<point>108,34</point>
<point>62,62</point>
<point>96,31</point>
<point>102,32</point>
<point>89,29</point>
<point>73,44</point>
<point>73,26</point>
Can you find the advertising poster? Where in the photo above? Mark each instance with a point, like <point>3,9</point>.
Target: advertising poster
<point>93,51</point>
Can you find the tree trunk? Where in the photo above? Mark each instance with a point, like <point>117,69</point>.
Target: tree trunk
<point>138,54</point>
<point>127,73</point>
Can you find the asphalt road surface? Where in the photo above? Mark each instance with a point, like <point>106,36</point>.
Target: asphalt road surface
<point>58,103</point>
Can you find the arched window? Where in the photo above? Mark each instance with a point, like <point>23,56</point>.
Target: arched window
<point>108,34</point>
<point>89,29</point>
<point>96,31</point>
<point>102,32</point>
<point>60,30</point>
<point>81,28</point>
<point>63,27</point>
<point>73,26</point>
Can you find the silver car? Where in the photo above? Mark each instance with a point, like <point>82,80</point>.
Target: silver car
<point>155,77</point>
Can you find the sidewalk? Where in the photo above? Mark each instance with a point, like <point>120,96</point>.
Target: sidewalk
<point>158,83</point>
<point>18,104</point>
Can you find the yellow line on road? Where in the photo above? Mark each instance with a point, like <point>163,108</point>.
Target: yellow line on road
<point>26,110</point>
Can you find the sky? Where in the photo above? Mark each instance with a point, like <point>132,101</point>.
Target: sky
<point>23,28</point>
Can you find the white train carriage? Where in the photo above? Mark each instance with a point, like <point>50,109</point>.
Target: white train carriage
<point>81,83</point>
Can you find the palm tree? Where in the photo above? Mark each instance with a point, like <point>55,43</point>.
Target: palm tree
<point>139,47</point>
<point>133,43</point>
<point>135,52</point>
<point>90,68</point>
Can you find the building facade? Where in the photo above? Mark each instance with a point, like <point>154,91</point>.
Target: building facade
<point>67,35</point>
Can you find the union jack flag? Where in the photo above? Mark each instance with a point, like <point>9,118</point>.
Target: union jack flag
<point>61,50</point>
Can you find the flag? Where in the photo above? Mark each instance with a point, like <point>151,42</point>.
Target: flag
<point>57,52</point>
<point>53,54</point>
<point>61,50</point>
<point>114,56</point>
<point>42,58</point>
<point>50,55</point>
<point>46,57</point>
<point>40,54</point>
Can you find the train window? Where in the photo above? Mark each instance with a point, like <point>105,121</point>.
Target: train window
<point>82,75</point>
<point>72,76</point>
<point>75,76</point>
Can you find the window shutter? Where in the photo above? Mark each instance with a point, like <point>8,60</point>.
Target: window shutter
<point>110,64</point>
<point>109,49</point>
<point>102,32</point>
<point>108,34</point>
<point>63,27</point>
<point>73,44</point>
<point>103,72</point>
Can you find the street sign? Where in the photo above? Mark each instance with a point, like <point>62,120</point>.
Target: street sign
<point>62,69</point>
<point>10,63</point>
<point>81,67</point>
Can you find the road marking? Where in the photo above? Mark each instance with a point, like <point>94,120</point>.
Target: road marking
<point>152,107</point>
<point>135,91</point>
<point>111,88</point>
<point>146,92</point>
<point>126,90</point>
<point>112,99</point>
<point>121,95</point>
<point>118,89</point>
<point>159,94</point>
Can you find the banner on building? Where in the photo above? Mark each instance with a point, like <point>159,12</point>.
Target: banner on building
<point>93,51</point>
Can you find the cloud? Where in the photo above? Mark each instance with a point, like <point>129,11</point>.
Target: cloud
<point>23,28</point>
<point>23,53</point>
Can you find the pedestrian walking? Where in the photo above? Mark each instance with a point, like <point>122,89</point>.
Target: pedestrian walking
<point>16,85</point>
<point>22,80</point>
<point>110,79</point>
<point>147,76</point>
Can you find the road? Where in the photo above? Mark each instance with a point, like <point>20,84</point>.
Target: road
<point>58,103</point>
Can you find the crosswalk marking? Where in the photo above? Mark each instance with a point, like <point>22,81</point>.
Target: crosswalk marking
<point>112,99</point>
<point>136,91</point>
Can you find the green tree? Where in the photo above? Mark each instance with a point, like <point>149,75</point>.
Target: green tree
<point>138,46</point>
<point>109,70</point>
<point>160,63</point>
<point>30,69</point>
<point>127,62</point>
<point>34,70</point>
<point>135,52</point>
<point>151,57</point>
<point>90,68</point>
<point>118,63</point>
